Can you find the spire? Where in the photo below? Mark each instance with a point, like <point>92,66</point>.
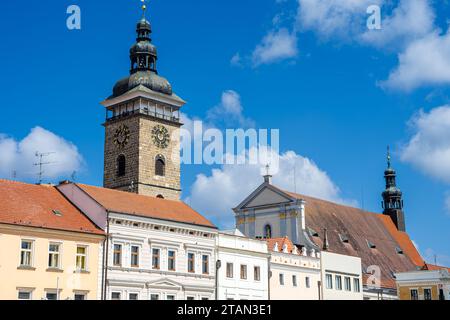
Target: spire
<point>144,9</point>
<point>392,196</point>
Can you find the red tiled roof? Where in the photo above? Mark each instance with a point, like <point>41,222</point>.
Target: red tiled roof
<point>33,205</point>
<point>432,267</point>
<point>359,227</point>
<point>140,205</point>
<point>281,242</point>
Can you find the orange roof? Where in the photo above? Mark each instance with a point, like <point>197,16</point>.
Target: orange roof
<point>42,207</point>
<point>434,267</point>
<point>281,242</point>
<point>140,205</point>
<point>359,227</point>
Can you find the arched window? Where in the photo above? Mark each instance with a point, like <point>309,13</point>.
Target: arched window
<point>268,232</point>
<point>160,166</point>
<point>121,165</point>
<point>160,196</point>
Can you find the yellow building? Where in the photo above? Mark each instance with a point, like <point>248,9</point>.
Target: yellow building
<point>48,248</point>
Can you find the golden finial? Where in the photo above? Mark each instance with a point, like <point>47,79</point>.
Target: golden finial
<point>144,8</point>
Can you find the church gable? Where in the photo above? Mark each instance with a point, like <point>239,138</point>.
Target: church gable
<point>265,196</point>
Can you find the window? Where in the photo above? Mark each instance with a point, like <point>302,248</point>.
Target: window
<point>230,273</point>
<point>257,273</point>
<point>134,256</point>
<point>51,296</point>
<point>117,256</point>
<point>154,296</point>
<point>281,279</point>
<point>53,255</point>
<point>243,272</point>
<point>26,250</point>
<point>190,298</point>
<point>24,295</point>
<point>160,166</point>
<point>205,264</point>
<point>356,287</point>
<point>133,296</point>
<point>329,281</point>
<point>170,297</point>
<point>171,261</point>
<point>81,258</point>
<point>268,232</point>
<point>348,284</point>
<point>191,262</point>
<point>294,280</point>
<point>79,296</point>
<point>338,283</point>
<point>205,298</point>
<point>121,165</point>
<point>155,259</point>
<point>115,296</point>
<point>308,282</point>
<point>414,294</point>
<point>427,294</point>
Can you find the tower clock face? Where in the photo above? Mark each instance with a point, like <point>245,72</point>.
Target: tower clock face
<point>160,136</point>
<point>122,136</point>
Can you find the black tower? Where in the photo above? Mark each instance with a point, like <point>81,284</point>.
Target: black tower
<point>392,198</point>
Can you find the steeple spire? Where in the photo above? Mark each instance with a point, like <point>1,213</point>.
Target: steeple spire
<point>144,8</point>
<point>392,196</point>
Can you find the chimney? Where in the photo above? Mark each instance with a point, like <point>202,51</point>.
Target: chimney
<point>326,244</point>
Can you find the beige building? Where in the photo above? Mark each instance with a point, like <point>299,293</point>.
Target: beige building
<point>49,249</point>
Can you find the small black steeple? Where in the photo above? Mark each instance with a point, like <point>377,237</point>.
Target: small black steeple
<point>392,197</point>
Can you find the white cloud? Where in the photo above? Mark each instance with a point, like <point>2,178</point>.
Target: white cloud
<point>277,45</point>
<point>229,110</point>
<point>235,182</point>
<point>19,156</point>
<point>429,147</point>
<point>424,62</point>
<point>410,20</point>
<point>236,60</point>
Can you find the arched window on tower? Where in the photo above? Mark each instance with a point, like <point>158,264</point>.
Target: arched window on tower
<point>121,165</point>
<point>267,232</point>
<point>160,166</point>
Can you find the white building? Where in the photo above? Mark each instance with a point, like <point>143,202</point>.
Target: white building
<point>294,272</point>
<point>157,249</point>
<point>341,277</point>
<point>243,273</point>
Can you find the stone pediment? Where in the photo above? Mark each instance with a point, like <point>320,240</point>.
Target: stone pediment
<point>265,195</point>
<point>165,283</point>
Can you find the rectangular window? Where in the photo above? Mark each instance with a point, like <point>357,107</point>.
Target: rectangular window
<point>133,296</point>
<point>79,296</point>
<point>117,255</point>
<point>257,273</point>
<point>243,272</point>
<point>230,273</point>
<point>414,294</point>
<point>329,281</point>
<point>171,260</point>
<point>154,297</point>
<point>24,295</point>
<point>135,256</point>
<point>338,283</point>
<point>308,282</point>
<point>191,262</point>
<point>53,255</point>
<point>356,287</point>
<point>348,284</point>
<point>26,251</point>
<point>81,259</point>
<point>170,297</point>
<point>115,296</point>
<point>294,280</point>
<point>156,259</point>
<point>51,296</point>
<point>281,279</point>
<point>190,298</point>
<point>427,294</point>
<point>205,264</point>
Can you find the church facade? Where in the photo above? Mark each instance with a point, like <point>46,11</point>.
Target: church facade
<point>379,240</point>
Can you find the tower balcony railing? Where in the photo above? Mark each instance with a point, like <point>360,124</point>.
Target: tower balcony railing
<point>143,111</point>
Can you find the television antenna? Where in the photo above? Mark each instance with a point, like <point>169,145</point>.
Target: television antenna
<point>41,156</point>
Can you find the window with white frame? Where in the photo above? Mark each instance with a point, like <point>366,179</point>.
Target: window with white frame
<point>51,295</point>
<point>24,294</point>
<point>427,294</point>
<point>308,282</point>
<point>81,259</point>
<point>171,260</point>
<point>348,284</point>
<point>205,264</point>
<point>135,256</point>
<point>156,258</point>
<point>54,255</point>
<point>257,273</point>
<point>329,281</point>
<point>170,297</point>
<point>79,296</point>
<point>281,276</point>
<point>117,255</point>
<point>294,280</point>
<point>26,253</point>
<point>154,296</point>
<point>356,285</point>
<point>133,296</point>
<point>191,262</point>
<point>230,271</point>
<point>414,294</point>
<point>338,283</point>
<point>243,272</point>
<point>115,296</point>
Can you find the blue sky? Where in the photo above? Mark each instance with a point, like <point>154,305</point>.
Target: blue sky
<point>319,78</point>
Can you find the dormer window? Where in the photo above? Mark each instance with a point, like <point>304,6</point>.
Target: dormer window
<point>371,245</point>
<point>399,250</point>
<point>312,232</point>
<point>343,238</point>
